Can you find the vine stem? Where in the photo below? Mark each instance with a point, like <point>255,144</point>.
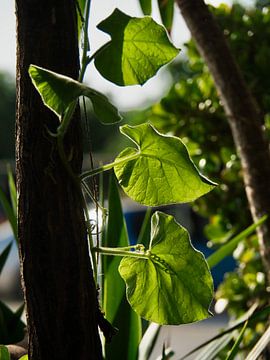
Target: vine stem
<point>107,167</point>
<point>85,61</point>
<point>120,252</point>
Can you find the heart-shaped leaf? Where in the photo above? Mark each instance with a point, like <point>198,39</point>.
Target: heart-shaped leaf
<point>161,171</point>
<point>172,286</point>
<point>58,92</point>
<point>138,48</point>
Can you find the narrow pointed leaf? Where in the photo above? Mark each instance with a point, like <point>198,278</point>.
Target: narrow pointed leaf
<point>148,341</point>
<point>172,286</point>
<point>80,14</point>
<point>234,350</point>
<point>4,255</point>
<point>12,218</point>
<point>117,310</point>
<point>138,48</point>
<point>12,190</point>
<point>260,346</point>
<point>25,357</point>
<point>146,6</point>
<point>229,247</point>
<point>58,92</point>
<point>166,8</point>
<point>4,353</point>
<point>162,173</point>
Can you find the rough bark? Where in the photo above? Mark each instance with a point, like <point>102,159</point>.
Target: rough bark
<point>244,117</point>
<point>58,284</point>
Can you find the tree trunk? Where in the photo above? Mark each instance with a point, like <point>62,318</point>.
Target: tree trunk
<point>59,289</point>
<point>243,114</point>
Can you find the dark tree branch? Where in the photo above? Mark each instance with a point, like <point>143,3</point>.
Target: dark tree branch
<point>243,114</point>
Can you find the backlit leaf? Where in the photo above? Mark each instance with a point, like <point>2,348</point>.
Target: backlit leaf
<point>59,91</point>
<point>162,172</point>
<point>172,286</point>
<point>138,48</point>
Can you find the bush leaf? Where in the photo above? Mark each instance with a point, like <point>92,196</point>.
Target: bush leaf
<point>172,286</point>
<point>161,171</point>
<point>59,91</point>
<point>138,48</point>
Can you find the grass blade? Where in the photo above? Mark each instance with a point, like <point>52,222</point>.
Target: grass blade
<point>144,235</point>
<point>260,346</point>
<point>117,310</point>
<point>229,247</point>
<point>148,341</point>
<point>12,190</point>
<point>250,316</point>
<point>234,350</point>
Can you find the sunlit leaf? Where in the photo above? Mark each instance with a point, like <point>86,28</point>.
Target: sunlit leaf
<point>58,92</point>
<point>162,172</point>
<point>173,285</point>
<point>138,48</point>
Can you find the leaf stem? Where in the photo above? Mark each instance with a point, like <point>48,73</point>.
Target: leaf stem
<point>120,252</point>
<point>107,167</point>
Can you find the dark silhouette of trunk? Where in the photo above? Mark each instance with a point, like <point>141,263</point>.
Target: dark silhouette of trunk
<point>244,117</point>
<point>58,284</point>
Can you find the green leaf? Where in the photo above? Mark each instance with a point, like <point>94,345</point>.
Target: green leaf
<point>229,247</point>
<point>260,345</point>
<point>144,234</point>
<point>146,6</point>
<point>80,14</point>
<point>161,171</point>
<point>4,353</point>
<point>58,92</point>
<point>172,286</point>
<point>138,48</point>
<point>234,350</point>
<point>117,310</point>
<point>4,255</point>
<point>11,326</point>
<point>214,345</point>
<point>166,9</point>
<point>12,190</point>
<point>12,218</point>
<point>25,357</point>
